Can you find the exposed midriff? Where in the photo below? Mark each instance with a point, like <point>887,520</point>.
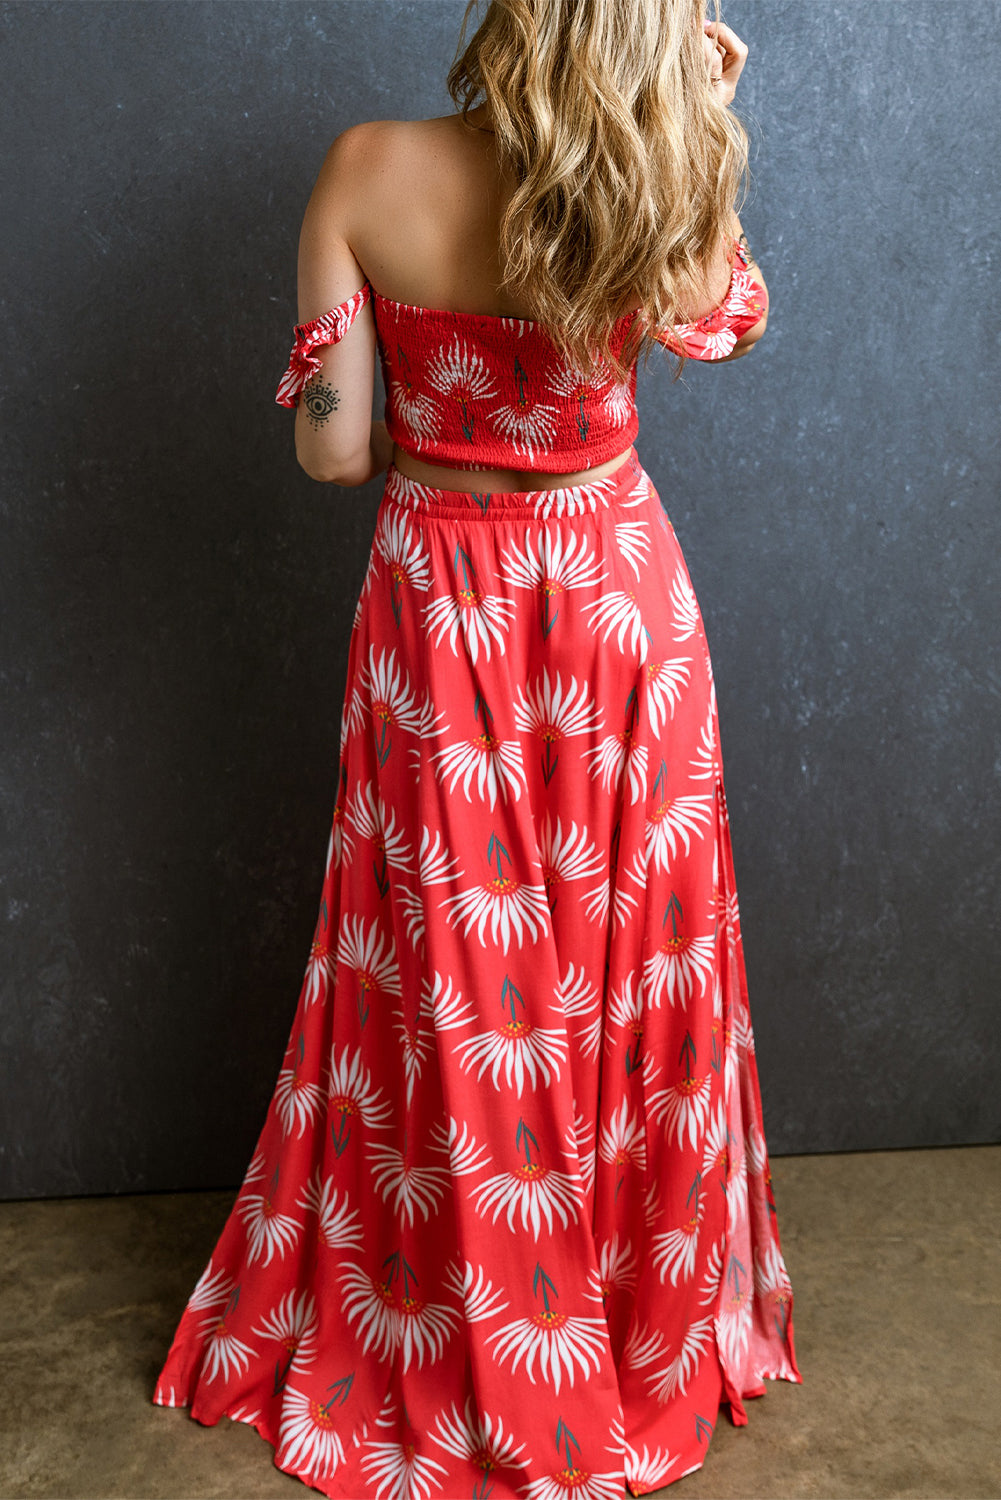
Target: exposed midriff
<point>496,481</point>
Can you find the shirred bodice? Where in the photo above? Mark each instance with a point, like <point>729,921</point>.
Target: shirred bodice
<point>479,389</point>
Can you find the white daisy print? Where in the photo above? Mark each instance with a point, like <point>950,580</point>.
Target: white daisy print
<point>460,374</point>
<point>619,611</point>
<point>526,1053</point>
<point>495,764</point>
<point>477,1437</point>
<point>399,1472</point>
<point>665,684</point>
<point>307,1442</point>
<point>339,1224</point>
<point>633,540</point>
<point>669,1379</point>
<point>292,1322</point>
<point>562,1346</point>
<point>409,1188</point>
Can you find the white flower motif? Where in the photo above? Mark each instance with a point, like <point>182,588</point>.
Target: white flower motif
<point>713,1272</point>
<point>675,1251</point>
<point>321,971</point>
<point>460,373</point>
<point>579,1139</point>
<point>496,764</point>
<point>617,1266</point>
<point>293,1322</point>
<point>399,1472</point>
<point>402,548</point>
<point>537,1191</point>
<point>513,910</point>
<point>574,500</point>
<point>425,1328</point>
<point>476,1293</point>
<point>665,683</point>
<point>296,1101</point>
<point>417,411</point>
<point>351,1091</point>
<point>619,609</point>
<point>478,1438</point>
<point>558,1342</point>
<point>756,1152</point>
<point>416,1044</point>
<point>616,755</point>
<point>578,1001</point>
<point>551,563</point>
<point>434,862</point>
<point>464,1153</point>
<point>409,1187</point>
<point>634,542</point>
<point>625,1006</point>
<point>307,1442</point>
<point>447,1011</point>
<point>481,618</point>
<point>526,426</point>
<point>526,1052</point>
<point>267,1229</point>
<point>553,712</point>
<point>682,1106</point>
<point>370,953</point>
<point>579,1483</point>
<point>649,1471</point>
<point>212,1290</point>
<point>375,820</point>
<point>619,400</point>
<point>339,1224</point>
<point>390,698</point>
<point>771,1279</point>
<point>340,842</point>
<point>673,1377</point>
<point>372,1306</point>
<point>671,822</point>
<point>566,856</point>
<point>687,620</point>
<point>622,1140</point>
<point>734,1318</point>
<point>717,1143</point>
<point>224,1354</point>
<point>677,966</point>
<point>703,762</point>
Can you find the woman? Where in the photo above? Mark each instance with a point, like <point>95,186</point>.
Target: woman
<point>508,1228</point>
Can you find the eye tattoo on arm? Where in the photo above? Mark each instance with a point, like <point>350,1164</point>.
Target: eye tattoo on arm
<point>320,401</point>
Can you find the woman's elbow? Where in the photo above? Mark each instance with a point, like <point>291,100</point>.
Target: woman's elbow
<point>747,340</point>
<point>347,473</point>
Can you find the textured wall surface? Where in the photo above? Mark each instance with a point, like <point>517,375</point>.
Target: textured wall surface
<point>177,594</point>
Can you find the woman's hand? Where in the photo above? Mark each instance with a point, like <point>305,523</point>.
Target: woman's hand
<point>726,55</point>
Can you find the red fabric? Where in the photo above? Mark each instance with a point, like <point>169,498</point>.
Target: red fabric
<point>476,390</point>
<point>319,333</point>
<point>508,1229</point>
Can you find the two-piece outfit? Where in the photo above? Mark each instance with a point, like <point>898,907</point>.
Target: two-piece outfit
<point>508,1229</point>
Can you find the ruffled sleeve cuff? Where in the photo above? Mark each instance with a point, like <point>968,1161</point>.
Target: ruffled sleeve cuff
<point>318,334</point>
<point>714,336</point>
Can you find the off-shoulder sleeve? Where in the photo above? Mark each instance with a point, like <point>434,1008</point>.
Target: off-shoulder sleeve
<point>321,332</point>
<point>714,336</point>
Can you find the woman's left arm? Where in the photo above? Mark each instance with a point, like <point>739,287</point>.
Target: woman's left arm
<point>336,440</point>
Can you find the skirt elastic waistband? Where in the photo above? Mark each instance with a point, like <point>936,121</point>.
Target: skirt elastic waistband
<point>625,486</point>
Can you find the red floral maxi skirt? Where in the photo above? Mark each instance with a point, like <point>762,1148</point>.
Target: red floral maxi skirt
<point>508,1229</point>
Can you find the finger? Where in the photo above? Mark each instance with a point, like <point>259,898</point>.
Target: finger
<point>727,39</point>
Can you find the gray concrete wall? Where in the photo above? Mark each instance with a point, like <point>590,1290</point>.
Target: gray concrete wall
<point>177,594</point>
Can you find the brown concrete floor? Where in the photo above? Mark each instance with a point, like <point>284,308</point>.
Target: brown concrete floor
<point>895,1264</point>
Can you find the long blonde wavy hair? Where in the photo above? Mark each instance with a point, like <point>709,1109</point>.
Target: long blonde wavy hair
<point>626,169</point>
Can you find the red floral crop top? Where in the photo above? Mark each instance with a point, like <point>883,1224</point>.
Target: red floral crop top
<point>478,389</point>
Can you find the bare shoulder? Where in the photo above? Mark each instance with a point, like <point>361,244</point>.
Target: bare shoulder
<point>382,148</point>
